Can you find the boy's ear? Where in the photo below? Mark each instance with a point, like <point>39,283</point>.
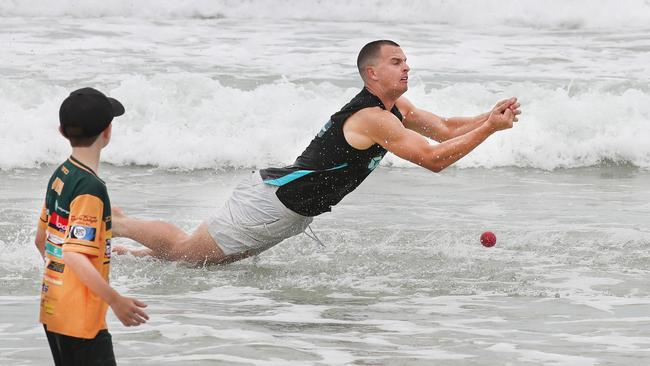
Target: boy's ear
<point>107,131</point>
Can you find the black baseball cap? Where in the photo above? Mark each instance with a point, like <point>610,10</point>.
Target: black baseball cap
<point>87,112</point>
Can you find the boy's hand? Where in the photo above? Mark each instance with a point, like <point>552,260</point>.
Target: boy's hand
<point>129,311</point>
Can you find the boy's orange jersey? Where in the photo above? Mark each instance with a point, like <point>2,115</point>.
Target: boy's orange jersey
<point>77,218</point>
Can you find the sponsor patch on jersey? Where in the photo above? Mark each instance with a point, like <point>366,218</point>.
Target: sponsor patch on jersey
<point>54,239</point>
<point>53,280</point>
<point>53,250</point>
<point>57,185</point>
<point>83,219</point>
<point>82,232</point>
<point>56,266</point>
<point>44,288</point>
<point>107,252</point>
<point>57,222</point>
<point>59,208</point>
<point>49,309</point>
<point>64,170</point>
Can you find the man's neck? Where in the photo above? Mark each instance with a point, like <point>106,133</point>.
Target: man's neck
<point>388,98</point>
<point>89,156</point>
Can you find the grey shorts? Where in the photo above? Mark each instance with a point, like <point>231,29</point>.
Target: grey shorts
<point>253,219</point>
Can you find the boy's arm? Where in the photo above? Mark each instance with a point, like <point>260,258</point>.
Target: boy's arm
<point>41,232</point>
<point>82,240</point>
<point>126,309</point>
<point>40,241</point>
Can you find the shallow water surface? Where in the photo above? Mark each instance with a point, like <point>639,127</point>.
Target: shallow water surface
<point>402,280</point>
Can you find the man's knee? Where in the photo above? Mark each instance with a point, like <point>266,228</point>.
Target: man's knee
<point>200,246</point>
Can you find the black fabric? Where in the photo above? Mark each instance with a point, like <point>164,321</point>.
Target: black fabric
<point>334,167</point>
<point>87,112</point>
<point>72,351</point>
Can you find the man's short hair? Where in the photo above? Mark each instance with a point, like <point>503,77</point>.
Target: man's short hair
<point>370,52</point>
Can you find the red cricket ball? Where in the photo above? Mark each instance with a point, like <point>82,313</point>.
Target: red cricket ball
<point>488,239</point>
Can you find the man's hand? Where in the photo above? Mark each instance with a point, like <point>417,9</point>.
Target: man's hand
<point>504,114</point>
<point>129,310</point>
<point>513,107</point>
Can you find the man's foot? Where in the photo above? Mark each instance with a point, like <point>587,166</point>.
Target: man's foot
<point>122,250</point>
<point>117,212</point>
<point>117,221</point>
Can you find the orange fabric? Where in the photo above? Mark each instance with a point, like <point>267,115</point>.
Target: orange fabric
<point>84,225</point>
<point>67,306</point>
<point>57,185</point>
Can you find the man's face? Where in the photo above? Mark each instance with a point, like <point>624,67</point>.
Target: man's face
<point>391,70</point>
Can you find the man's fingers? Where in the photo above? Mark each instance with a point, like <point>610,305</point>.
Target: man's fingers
<point>515,106</point>
<point>501,102</point>
<point>502,107</point>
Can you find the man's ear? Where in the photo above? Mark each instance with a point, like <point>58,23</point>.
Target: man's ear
<point>371,74</point>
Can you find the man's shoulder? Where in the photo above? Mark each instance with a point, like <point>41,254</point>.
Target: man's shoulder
<point>369,126</point>
<point>372,116</point>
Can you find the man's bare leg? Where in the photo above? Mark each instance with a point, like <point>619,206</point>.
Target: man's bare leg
<point>141,252</point>
<point>167,241</point>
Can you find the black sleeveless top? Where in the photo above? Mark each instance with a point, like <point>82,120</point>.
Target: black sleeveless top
<point>329,168</point>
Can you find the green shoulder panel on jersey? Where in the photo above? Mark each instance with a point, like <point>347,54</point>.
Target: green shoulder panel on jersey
<point>73,179</point>
<point>87,183</point>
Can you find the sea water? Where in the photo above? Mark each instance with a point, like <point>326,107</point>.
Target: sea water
<point>214,89</point>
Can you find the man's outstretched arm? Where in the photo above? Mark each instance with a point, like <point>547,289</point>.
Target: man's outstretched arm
<point>381,127</point>
<point>442,129</point>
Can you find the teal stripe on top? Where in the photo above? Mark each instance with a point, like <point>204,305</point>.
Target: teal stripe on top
<point>53,250</point>
<point>297,174</point>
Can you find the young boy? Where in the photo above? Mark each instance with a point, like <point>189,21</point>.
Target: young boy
<point>74,238</point>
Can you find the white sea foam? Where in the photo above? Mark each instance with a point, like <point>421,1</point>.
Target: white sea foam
<point>554,13</point>
<point>190,121</point>
<point>251,85</point>
<point>226,93</point>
